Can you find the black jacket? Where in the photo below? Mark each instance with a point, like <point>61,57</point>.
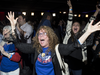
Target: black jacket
<point>64,49</point>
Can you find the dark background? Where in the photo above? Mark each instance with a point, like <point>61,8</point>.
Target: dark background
<point>82,7</point>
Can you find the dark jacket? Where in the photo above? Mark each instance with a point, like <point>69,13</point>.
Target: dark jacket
<point>64,49</point>
<point>45,22</point>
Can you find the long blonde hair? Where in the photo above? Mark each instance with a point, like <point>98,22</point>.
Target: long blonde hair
<point>53,39</point>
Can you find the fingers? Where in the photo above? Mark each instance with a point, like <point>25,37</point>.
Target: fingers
<point>98,23</point>
<point>91,22</point>
<point>13,14</point>
<point>7,17</point>
<point>10,14</point>
<point>16,18</point>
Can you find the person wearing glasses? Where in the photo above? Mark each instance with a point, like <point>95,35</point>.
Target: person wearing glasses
<point>10,55</point>
<point>45,41</point>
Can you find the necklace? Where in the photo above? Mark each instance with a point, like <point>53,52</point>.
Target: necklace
<point>43,54</point>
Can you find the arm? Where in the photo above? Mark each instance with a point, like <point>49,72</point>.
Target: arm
<point>66,49</point>
<point>20,30</point>
<point>93,17</point>
<point>25,48</point>
<point>70,17</point>
<point>4,53</point>
<point>28,31</point>
<point>69,23</point>
<point>91,29</point>
<point>16,57</point>
<point>95,45</point>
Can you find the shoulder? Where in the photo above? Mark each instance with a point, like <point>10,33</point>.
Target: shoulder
<point>46,20</point>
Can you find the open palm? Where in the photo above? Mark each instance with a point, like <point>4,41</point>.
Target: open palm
<point>10,17</point>
<point>93,28</point>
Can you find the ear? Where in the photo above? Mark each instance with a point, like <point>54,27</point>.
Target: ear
<point>24,19</point>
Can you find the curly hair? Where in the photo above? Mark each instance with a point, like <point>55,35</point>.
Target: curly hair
<point>53,39</point>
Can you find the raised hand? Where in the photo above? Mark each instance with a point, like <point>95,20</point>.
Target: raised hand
<point>93,28</point>
<point>98,9</point>
<point>69,3</point>
<point>13,21</point>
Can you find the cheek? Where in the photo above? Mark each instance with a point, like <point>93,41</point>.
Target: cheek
<point>72,28</point>
<point>47,39</point>
<point>78,28</point>
<point>39,39</point>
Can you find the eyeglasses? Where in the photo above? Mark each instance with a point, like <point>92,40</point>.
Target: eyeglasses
<point>42,34</point>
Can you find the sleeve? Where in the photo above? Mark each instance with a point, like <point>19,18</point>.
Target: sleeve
<point>68,28</point>
<point>28,31</point>
<point>91,18</point>
<point>69,23</point>
<point>16,57</point>
<point>66,49</point>
<point>25,47</point>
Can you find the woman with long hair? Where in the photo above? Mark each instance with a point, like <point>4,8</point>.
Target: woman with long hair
<point>43,48</point>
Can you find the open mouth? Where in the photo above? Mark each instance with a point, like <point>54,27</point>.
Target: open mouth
<point>42,40</point>
<point>75,29</point>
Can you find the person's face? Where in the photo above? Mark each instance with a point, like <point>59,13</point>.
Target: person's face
<point>60,23</point>
<point>48,18</point>
<point>43,38</point>
<point>6,33</point>
<point>21,21</point>
<point>76,27</point>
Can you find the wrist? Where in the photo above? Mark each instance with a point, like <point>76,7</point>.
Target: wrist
<point>8,55</point>
<point>70,7</point>
<point>5,53</point>
<point>88,32</point>
<point>95,44</point>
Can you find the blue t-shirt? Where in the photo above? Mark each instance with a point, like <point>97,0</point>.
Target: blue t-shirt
<point>6,64</point>
<point>44,65</point>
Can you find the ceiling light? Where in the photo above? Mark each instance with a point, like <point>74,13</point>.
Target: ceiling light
<point>64,12</point>
<point>79,15</point>
<point>24,13</point>
<point>32,13</point>
<point>54,14</point>
<point>42,13</point>
<point>75,15</point>
<point>86,15</point>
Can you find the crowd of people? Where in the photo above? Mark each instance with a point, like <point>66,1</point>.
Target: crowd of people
<point>28,48</point>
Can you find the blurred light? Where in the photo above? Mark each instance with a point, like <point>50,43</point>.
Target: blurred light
<point>60,12</point>
<point>42,13</point>
<point>64,12</point>
<point>86,15</point>
<point>24,13</point>
<point>79,15</point>
<point>32,13</point>
<point>54,14</point>
<point>75,15</point>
